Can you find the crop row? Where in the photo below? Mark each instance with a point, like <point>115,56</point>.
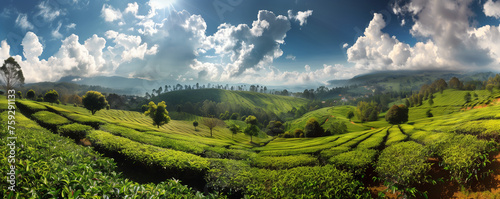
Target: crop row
<point>373,141</point>
<point>395,136</point>
<point>284,162</point>
<point>303,182</point>
<point>55,167</point>
<point>346,142</point>
<point>50,120</point>
<point>147,155</point>
<point>29,106</point>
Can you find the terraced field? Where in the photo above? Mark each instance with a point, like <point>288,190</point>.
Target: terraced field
<point>456,144</point>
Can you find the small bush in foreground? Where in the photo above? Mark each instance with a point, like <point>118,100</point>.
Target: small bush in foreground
<point>75,130</point>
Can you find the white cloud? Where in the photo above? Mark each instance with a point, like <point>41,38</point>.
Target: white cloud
<point>250,48</point>
<point>22,22</point>
<point>345,45</point>
<point>301,16</point>
<point>32,47</point>
<point>110,14</point>
<point>128,46</point>
<point>70,26</point>
<point>444,25</point>
<point>307,67</point>
<point>55,33</point>
<point>132,8</point>
<point>290,57</point>
<point>47,12</point>
<point>4,50</point>
<point>492,9</point>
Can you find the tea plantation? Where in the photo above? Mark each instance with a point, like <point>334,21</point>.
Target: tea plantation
<point>64,151</point>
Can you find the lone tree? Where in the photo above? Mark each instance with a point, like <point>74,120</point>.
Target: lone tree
<point>11,73</point>
<point>195,124</point>
<point>252,128</point>
<point>158,113</point>
<point>51,96</point>
<point>31,94</point>
<point>19,94</point>
<point>212,122</point>
<point>350,115</point>
<point>234,129</point>
<point>337,127</point>
<point>397,114</point>
<point>94,101</point>
<point>467,97</point>
<point>313,129</point>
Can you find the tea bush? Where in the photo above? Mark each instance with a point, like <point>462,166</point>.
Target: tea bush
<point>75,131</point>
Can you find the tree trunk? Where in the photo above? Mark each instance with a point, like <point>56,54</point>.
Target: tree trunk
<point>211,132</point>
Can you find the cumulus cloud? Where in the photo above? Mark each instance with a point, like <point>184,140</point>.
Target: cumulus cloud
<point>450,41</point>
<point>32,47</point>
<point>22,22</point>
<point>4,50</point>
<point>492,9</point>
<point>250,48</point>
<point>301,16</point>
<point>110,14</point>
<point>47,12</point>
<point>132,8</point>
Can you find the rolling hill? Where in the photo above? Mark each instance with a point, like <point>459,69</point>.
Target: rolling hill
<point>235,99</point>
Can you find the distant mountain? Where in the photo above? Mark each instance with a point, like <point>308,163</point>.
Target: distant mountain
<point>409,80</point>
<point>131,86</point>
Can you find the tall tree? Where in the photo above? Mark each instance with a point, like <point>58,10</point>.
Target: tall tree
<point>12,75</point>
<point>252,127</point>
<point>234,129</point>
<point>158,113</point>
<point>94,101</point>
<point>211,123</point>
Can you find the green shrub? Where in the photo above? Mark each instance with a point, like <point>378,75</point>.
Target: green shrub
<point>50,120</point>
<point>148,155</point>
<point>75,130</point>
<point>373,141</point>
<point>285,162</point>
<point>356,161</point>
<point>464,156</point>
<point>29,106</point>
<point>403,164</point>
<point>83,119</point>
<point>327,154</point>
<point>395,136</point>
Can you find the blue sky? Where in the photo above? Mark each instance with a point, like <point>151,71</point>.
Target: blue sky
<point>279,42</point>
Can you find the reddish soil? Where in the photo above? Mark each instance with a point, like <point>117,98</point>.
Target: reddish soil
<point>482,106</point>
<point>85,142</point>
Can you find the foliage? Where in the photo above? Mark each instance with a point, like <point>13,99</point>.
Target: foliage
<point>94,101</point>
<point>11,73</point>
<point>195,124</point>
<point>50,120</point>
<point>148,155</point>
<point>428,113</point>
<point>356,161</point>
<point>29,107</point>
<point>252,128</point>
<point>77,172</point>
<point>275,128</point>
<point>313,129</point>
<point>31,94</point>
<point>395,136</point>
<point>285,162</point>
<point>397,114</point>
<point>350,115</point>
<point>51,96</point>
<point>306,182</point>
<point>403,164</point>
<point>367,111</point>
<point>75,131</point>
<point>234,129</point>
<point>158,113</point>
<point>337,128</point>
<point>19,94</point>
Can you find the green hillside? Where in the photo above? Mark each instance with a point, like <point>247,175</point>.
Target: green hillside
<point>457,139</point>
<point>235,99</point>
